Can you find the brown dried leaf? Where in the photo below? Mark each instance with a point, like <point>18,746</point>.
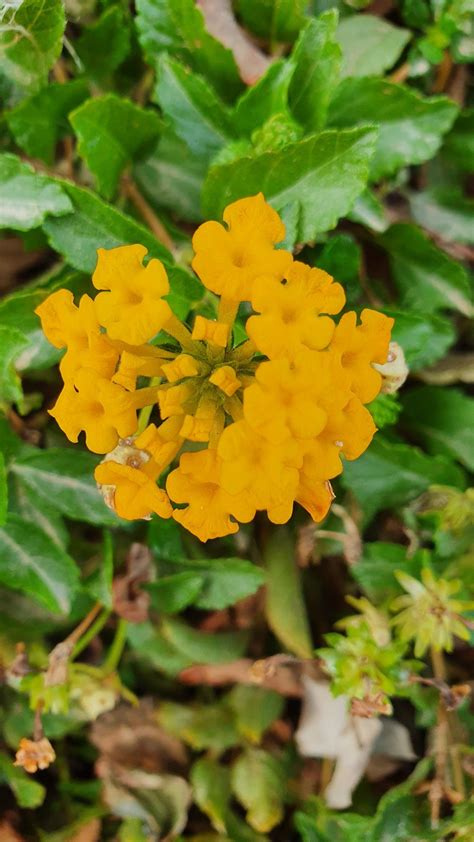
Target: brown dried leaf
<point>129,601</point>
<point>58,663</point>
<point>89,832</point>
<point>8,834</point>
<point>220,22</point>
<point>455,368</point>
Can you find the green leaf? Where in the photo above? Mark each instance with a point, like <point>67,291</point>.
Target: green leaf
<point>95,224</point>
<point>104,45</point>
<point>276,20</point>
<point>150,645</point>
<point>3,490</point>
<point>64,479</point>
<point>31,563</point>
<point>28,792</point>
<point>178,26</point>
<point>224,580</point>
<point>39,121</point>
<point>18,309</point>
<point>444,421</point>
<point>411,127</point>
<point>171,594</point>
<point>25,503</point>
<point>259,784</point>
<point>285,609</point>
<point>112,133</point>
<point>317,58</point>
<point>172,177</point>
<point>375,570</point>
<point>390,475</point>
<point>203,647</point>
<point>307,172</point>
<point>31,37</point>
<point>165,539</point>
<point>208,726</point>
<point>99,584</point>
<point>458,146</point>
<point>12,343</point>
<point>427,278</point>
<point>196,114</point>
<point>267,97</point>
<point>368,210</point>
<point>446,213</point>
<point>27,198</point>
<point>255,709</point>
<point>424,338</point>
<point>370,45</point>
<point>211,790</point>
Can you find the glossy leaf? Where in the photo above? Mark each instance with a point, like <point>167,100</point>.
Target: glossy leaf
<point>12,343</point>
<point>267,97</point>
<point>370,44</point>
<point>275,20</point>
<point>104,45</point>
<point>224,580</point>
<point>285,609</point>
<point>203,647</point>
<point>317,60</point>
<point>446,213</point>
<point>425,338</point>
<point>443,419</point>
<point>27,198</point>
<point>171,594</point>
<point>31,36</point>
<point>208,726</point>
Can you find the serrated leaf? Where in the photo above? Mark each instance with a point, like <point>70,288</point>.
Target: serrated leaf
<point>27,198</point>
<point>258,783</point>
<point>103,46</point>
<point>112,133</point>
<point>267,97</point>
<point>211,790</point>
<point>368,210</point>
<point>370,45</point>
<point>28,793</point>
<point>177,26</point>
<point>173,177</point>
<point>190,104</point>
<point>275,20</point>
<point>424,338</point>
<point>317,60</point>
<point>12,343</point>
<point>255,709</point>
<point>29,562</point>
<point>3,490</point>
<point>285,609</point>
<point>446,213</point>
<point>390,475</point>
<point>428,279</point>
<point>444,421</point>
<point>411,126</point>
<point>171,594</point>
<point>307,172</point>
<point>64,479</point>
<point>208,726</point>
<point>39,121</point>
<point>224,580</point>
<point>31,36</point>
<point>202,647</point>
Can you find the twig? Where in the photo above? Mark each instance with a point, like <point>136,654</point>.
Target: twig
<point>132,192</point>
<point>61,76</point>
<point>400,74</point>
<point>443,74</point>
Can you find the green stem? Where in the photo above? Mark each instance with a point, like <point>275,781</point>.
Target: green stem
<point>91,632</point>
<point>115,652</point>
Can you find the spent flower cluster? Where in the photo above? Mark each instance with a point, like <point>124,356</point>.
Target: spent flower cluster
<point>255,425</point>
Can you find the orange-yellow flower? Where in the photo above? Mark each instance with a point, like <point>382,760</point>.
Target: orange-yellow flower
<point>163,442</point>
<point>132,309</point>
<point>229,260</point>
<point>77,329</point>
<point>291,319</point>
<point>134,492</point>
<point>315,497</point>
<point>267,472</point>
<point>135,362</point>
<point>105,411</point>
<point>211,512</point>
<point>358,346</point>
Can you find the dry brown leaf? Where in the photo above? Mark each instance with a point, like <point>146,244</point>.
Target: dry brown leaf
<point>129,601</point>
<point>8,834</point>
<point>89,832</point>
<point>220,22</point>
<point>455,368</point>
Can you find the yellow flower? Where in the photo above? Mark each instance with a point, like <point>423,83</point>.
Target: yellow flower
<point>77,329</point>
<point>267,472</point>
<point>163,442</point>
<point>229,260</point>
<point>182,366</point>
<point>210,509</point>
<point>105,411</point>
<point>226,380</point>
<point>430,616</point>
<point>132,489</point>
<point>291,319</point>
<point>141,361</point>
<point>283,402</point>
<point>315,497</point>
<point>176,400</point>
<point>132,309</point>
<point>210,331</point>
<point>358,346</point>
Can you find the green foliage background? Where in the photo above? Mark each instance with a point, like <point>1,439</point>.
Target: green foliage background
<point>360,132</point>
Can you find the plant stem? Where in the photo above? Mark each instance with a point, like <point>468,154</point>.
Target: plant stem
<point>438,664</point>
<point>92,632</point>
<point>145,210</point>
<point>84,625</point>
<point>115,652</point>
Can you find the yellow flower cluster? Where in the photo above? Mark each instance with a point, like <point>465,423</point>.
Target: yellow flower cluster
<point>256,425</point>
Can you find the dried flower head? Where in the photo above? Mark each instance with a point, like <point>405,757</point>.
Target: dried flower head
<point>34,754</point>
<point>268,421</point>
